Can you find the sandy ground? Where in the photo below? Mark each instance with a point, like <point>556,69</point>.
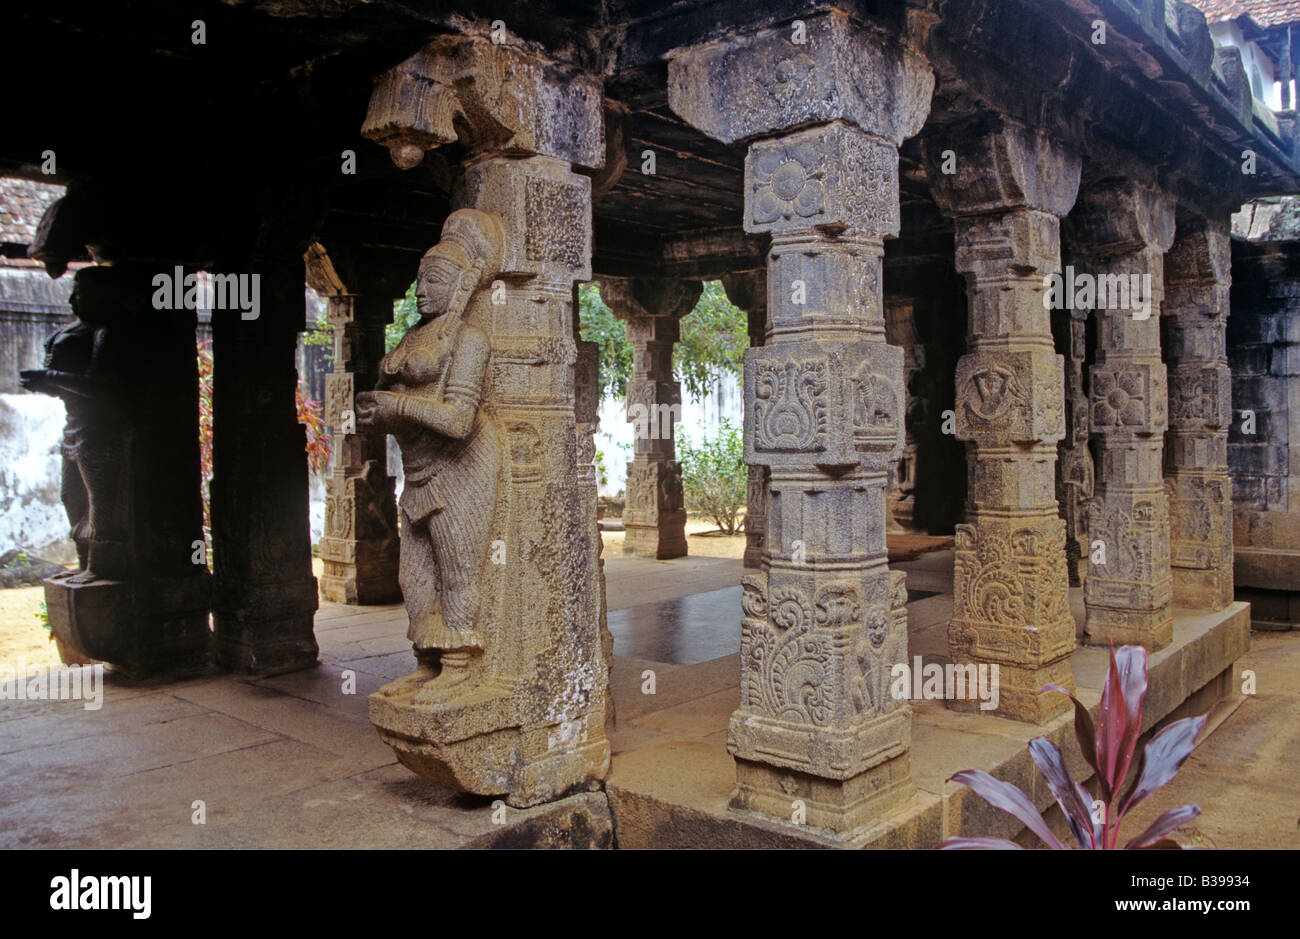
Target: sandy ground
<point>702,541</point>
<point>21,634</point>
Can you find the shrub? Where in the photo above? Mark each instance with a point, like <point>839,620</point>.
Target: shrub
<point>1108,748</point>
<point>714,476</point>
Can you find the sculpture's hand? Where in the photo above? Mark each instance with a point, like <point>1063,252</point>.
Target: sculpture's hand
<point>36,379</point>
<point>376,409</point>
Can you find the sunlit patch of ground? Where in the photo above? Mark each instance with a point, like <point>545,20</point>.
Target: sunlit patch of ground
<point>702,541</point>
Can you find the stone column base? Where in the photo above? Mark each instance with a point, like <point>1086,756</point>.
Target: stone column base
<point>157,627</point>
<point>267,632</point>
<point>663,541</point>
<point>346,579</point>
<point>840,807</point>
<point>457,740</point>
<point>1153,629</point>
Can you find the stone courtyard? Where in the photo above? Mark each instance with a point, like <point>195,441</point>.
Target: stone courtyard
<point>1020,388</point>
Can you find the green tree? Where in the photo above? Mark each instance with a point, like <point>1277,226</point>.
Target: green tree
<point>714,476</point>
<point>713,340</point>
<point>714,337</point>
<point>598,324</point>
<point>405,315</point>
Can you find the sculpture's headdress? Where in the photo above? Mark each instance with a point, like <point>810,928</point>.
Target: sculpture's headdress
<point>473,242</point>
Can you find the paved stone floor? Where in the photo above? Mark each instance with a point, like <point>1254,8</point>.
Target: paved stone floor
<point>292,761</point>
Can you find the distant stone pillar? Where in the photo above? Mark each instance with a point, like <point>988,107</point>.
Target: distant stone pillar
<point>265,598</point>
<point>1264,439</point>
<point>655,513</point>
<point>817,731</point>
<point>748,292</point>
<point>1074,469</point>
<point>526,721</point>
<point>1124,231</point>
<point>1198,277</point>
<point>900,330</point>
<point>359,548</point>
<point>1010,605</point>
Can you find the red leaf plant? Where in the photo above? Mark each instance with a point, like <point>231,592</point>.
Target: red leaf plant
<point>1108,748</point>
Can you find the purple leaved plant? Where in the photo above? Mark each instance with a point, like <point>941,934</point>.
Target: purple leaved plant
<point>1108,748</point>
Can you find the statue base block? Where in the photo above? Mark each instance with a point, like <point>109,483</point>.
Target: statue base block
<point>474,738</point>
<point>146,628</point>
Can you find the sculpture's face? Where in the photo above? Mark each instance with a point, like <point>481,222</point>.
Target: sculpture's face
<point>434,286</point>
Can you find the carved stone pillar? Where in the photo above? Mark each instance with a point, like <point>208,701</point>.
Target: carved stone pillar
<point>1010,605</point>
<point>528,720</point>
<point>1074,470</point>
<point>265,598</point>
<point>655,515</point>
<point>817,731</point>
<point>900,330</point>
<point>1124,230</point>
<point>748,292</point>
<point>359,548</point>
<point>1198,278</point>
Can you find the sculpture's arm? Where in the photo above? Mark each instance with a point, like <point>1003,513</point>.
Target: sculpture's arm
<point>453,415</point>
<point>56,383</point>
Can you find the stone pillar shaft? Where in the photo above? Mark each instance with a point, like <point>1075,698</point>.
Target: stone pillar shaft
<point>1010,604</point>
<point>1197,283</point>
<point>817,733</point>
<point>265,597</point>
<point>359,549</point>
<point>1124,234</point>
<point>655,513</point>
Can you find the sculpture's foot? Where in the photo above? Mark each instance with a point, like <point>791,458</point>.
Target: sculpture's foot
<point>451,679</point>
<point>83,577</point>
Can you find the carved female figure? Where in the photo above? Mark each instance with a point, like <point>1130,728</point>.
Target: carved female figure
<point>428,396</point>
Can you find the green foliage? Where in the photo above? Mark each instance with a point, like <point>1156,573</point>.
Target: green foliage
<point>609,333</point>
<point>714,337</point>
<point>321,334</point>
<point>44,616</point>
<point>602,476</point>
<point>714,476</point>
<point>713,340</point>
<point>405,315</point>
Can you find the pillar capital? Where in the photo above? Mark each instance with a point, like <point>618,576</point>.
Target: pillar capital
<point>1122,218</point>
<point>762,83</point>
<point>1000,168</point>
<point>490,98</point>
<point>641,298</point>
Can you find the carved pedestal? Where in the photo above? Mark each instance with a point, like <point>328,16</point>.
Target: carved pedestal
<point>1124,231</point>
<point>527,721</point>
<point>1010,606</point>
<point>817,737</point>
<point>1197,282</point>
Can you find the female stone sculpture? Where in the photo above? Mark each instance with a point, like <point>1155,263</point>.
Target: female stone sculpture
<point>428,396</point>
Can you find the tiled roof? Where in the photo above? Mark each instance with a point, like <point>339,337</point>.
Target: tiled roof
<point>22,203</point>
<point>1266,13</point>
